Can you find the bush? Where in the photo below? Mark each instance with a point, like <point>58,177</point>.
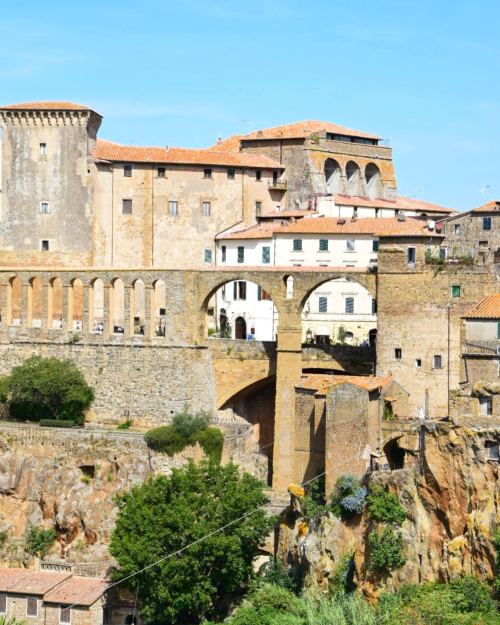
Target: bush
<point>386,549</point>
<point>211,441</point>
<point>276,574</point>
<point>186,424</point>
<point>349,496</point>
<point>165,439</point>
<point>48,388</point>
<point>384,506</point>
<point>40,540</point>
<point>314,504</point>
<point>4,389</point>
<point>57,423</point>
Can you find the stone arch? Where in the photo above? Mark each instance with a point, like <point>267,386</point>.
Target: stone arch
<point>373,179</point>
<point>117,306</point>
<point>353,176</point>
<point>333,176</point>
<point>14,312</point>
<point>138,306</point>
<point>35,303</point>
<point>159,307</point>
<point>96,306</point>
<point>75,305</point>
<point>55,304</point>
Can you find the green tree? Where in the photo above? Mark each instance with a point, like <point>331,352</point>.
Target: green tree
<point>48,388</point>
<point>166,514</point>
<point>40,540</point>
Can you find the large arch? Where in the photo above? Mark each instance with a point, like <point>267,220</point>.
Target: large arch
<point>354,180</point>
<point>333,176</point>
<point>373,179</point>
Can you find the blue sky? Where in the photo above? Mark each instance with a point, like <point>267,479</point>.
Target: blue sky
<point>425,75</point>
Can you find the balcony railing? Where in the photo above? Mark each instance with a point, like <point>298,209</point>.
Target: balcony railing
<point>278,185</point>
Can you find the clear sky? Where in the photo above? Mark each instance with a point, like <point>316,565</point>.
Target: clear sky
<point>423,74</point>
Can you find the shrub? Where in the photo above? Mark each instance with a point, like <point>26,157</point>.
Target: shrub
<point>314,503</point>
<point>57,423</point>
<point>165,439</point>
<point>186,424</point>
<point>48,388</point>
<point>40,540</point>
<point>384,506</point>
<point>4,389</point>
<point>349,496</point>
<point>342,578</point>
<point>275,573</point>
<point>386,549</point>
<point>211,441</point>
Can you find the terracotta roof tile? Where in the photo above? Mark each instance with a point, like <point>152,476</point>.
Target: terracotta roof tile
<point>231,144</point>
<point>108,151</point>
<point>303,129</point>
<point>45,106</point>
<point>400,203</point>
<point>30,582</point>
<point>286,214</point>
<point>258,231</point>
<point>489,207</point>
<point>78,590</point>
<point>321,383</point>
<point>486,308</point>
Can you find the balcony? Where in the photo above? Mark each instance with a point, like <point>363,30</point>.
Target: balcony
<point>277,185</point>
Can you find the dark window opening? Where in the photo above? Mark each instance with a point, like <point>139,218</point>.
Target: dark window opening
<point>161,172</point>
<point>207,173</point>
<point>258,174</point>
<point>127,171</point>
<point>241,254</point>
<point>230,174</point>
<point>127,207</point>
<point>223,253</point>
<point>45,246</point>
<point>398,353</point>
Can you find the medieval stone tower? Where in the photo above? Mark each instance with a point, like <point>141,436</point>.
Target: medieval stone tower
<point>46,182</point>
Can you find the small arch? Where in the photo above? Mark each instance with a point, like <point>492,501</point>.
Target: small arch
<point>55,312</point>
<point>35,303</point>
<point>288,280</point>
<point>14,314</point>
<point>374,186</point>
<point>353,175</point>
<point>159,307</point>
<point>395,454</point>
<point>333,176</point>
<point>117,306</point>
<point>240,328</point>
<point>96,306</point>
<point>75,311</point>
<point>137,309</point>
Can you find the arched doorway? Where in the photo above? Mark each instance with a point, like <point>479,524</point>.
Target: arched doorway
<point>240,328</point>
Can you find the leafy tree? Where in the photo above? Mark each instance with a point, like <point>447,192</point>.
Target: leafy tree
<point>40,540</point>
<point>48,388</point>
<point>386,548</point>
<point>166,514</point>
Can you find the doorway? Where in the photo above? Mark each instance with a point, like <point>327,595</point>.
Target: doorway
<point>240,328</point>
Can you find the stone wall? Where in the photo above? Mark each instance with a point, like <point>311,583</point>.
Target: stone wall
<point>465,236</point>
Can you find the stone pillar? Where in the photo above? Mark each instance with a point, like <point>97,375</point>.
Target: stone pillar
<point>65,297</point>
<point>4,305</point>
<point>288,372</point>
<point>128,308</point>
<point>107,309</point>
<point>87,310</point>
<point>48,306</point>
<point>70,299</point>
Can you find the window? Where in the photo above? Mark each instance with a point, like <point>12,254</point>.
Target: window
<point>45,245</point>
<point>43,149</point>
<point>483,243</point>
<point>437,361</point>
<point>486,223</point>
<point>297,245</point>
<point>241,254</point>
<point>208,255</point>
<point>374,306</point>
<point>322,304</point>
<point>323,245</point>
<point>127,207</point>
<point>498,330</point>
<point>31,606</point>
<point>349,305</point>
<point>418,363</point>
<point>161,172</point>
<point>223,253</point>
<point>398,353</point>
<point>411,255</point>
<point>266,255</point>
<point>127,171</point>
<point>258,174</point>
<point>239,290</point>
<point>3,604</point>
<point>65,614</point>
<point>173,208</point>
<point>262,294</point>
<point>455,290</point>
<point>374,246</point>
<point>207,173</point>
<point>443,253</point>
<point>207,209</point>
<point>230,174</point>
<point>457,229</point>
<point>44,208</point>
<point>350,245</point>
<point>493,449</point>
<point>258,208</point>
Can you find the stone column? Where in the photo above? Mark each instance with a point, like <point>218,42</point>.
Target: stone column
<point>65,296</point>
<point>288,372</point>
<point>47,305</point>
<point>4,307</point>
<point>70,306</point>
<point>87,309</point>
<point>107,310</point>
<point>128,307</point>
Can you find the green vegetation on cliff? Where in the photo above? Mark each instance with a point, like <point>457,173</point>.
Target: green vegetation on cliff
<point>165,515</point>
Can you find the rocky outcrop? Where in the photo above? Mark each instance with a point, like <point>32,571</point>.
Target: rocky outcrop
<point>452,506</point>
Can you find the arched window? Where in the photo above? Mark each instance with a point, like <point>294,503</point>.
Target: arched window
<point>160,307</point>
<point>332,176</point>
<point>373,179</point>
<point>118,310</point>
<point>137,310</point>
<point>240,328</point>
<point>97,306</point>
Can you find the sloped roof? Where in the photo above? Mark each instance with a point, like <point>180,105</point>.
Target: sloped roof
<point>486,308</point>
<point>489,207</point>
<point>78,590</point>
<point>231,144</point>
<point>383,227</point>
<point>287,214</point>
<point>320,382</point>
<point>258,231</point>
<point>109,151</point>
<point>303,129</point>
<point>45,106</point>
<point>400,203</point>
<point>30,582</point>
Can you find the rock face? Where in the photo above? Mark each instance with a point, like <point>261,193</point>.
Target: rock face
<point>68,479</point>
<point>452,509</point>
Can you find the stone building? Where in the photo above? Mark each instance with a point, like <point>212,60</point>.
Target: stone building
<point>53,598</point>
<point>474,234</point>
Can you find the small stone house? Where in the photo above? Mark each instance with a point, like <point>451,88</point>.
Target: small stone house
<point>53,598</point>
<point>340,417</point>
